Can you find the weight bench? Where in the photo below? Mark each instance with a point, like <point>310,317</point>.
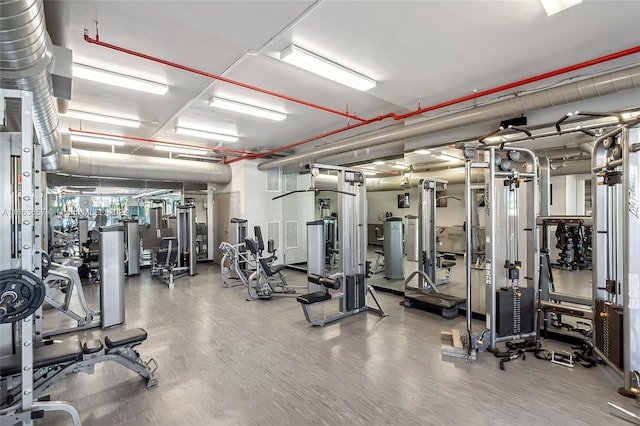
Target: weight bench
<point>55,361</point>
<point>348,303</point>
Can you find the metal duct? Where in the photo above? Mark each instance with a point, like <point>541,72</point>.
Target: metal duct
<point>25,58</point>
<point>592,87</point>
<point>106,164</point>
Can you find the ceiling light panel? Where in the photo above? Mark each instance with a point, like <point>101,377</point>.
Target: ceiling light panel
<point>179,149</point>
<point>205,134</point>
<point>111,78</point>
<point>98,140</point>
<point>555,6</point>
<point>243,108</point>
<point>99,118</point>
<point>326,68</point>
<point>422,151</point>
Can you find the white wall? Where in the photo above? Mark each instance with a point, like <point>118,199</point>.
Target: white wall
<point>568,195</point>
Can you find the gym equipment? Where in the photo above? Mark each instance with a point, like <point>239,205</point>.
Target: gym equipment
<point>26,367</point>
<point>435,264</point>
<point>331,238</point>
<point>186,233</point>
<point>435,267</point>
<point>202,245</point>
<point>236,262</point>
<point>353,267</point>
<point>112,274</point>
<point>21,288</point>
<point>616,269</point>
<point>512,262</point>
<point>411,238</point>
<point>90,253</point>
<point>155,217</point>
<point>56,361</point>
<point>65,280</point>
<point>165,257</point>
<point>132,247</point>
<point>552,302</point>
<point>393,249</point>
<point>267,279</point>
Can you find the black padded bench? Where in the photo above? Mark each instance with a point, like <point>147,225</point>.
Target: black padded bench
<point>448,260</point>
<point>132,337</point>
<point>59,353</point>
<point>318,296</point>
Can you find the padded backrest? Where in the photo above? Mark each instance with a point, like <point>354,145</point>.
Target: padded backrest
<point>251,245</point>
<point>167,232</point>
<point>150,239</point>
<point>258,232</point>
<point>168,252</point>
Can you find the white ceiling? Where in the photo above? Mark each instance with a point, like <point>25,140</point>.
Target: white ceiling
<point>418,51</point>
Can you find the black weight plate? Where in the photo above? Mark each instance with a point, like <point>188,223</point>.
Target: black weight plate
<point>30,290</point>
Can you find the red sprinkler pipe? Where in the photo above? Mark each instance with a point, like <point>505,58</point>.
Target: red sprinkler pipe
<point>97,41</point>
<point>363,121</point>
<point>145,140</point>
<point>599,60</point>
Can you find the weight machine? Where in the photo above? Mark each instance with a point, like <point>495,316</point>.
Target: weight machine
<point>236,263</point>
<point>349,285</point>
<point>616,253</point>
<point>435,267</point>
<point>512,262</point>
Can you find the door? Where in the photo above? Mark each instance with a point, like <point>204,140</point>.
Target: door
<point>226,205</point>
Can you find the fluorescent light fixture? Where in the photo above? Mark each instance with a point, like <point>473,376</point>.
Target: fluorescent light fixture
<point>99,118</point>
<point>206,135</point>
<point>150,193</point>
<point>555,6</point>
<point>246,109</point>
<point>379,163</point>
<point>448,157</point>
<point>492,139</point>
<point>102,140</point>
<point>399,166</point>
<point>325,68</point>
<point>172,148</point>
<point>422,151</point>
<point>111,78</point>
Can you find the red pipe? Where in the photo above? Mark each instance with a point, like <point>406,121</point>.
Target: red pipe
<point>97,41</point>
<point>177,144</point>
<point>363,121</point>
<point>535,78</point>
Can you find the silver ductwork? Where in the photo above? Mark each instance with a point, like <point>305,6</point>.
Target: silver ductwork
<point>107,164</point>
<point>601,85</point>
<point>25,59</point>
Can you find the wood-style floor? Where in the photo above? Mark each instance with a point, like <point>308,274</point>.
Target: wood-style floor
<point>226,361</point>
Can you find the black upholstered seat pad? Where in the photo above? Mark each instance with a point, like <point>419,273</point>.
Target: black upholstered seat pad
<point>125,337</point>
<point>65,351</point>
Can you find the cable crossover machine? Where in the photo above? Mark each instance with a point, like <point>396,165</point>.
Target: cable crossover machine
<point>349,284</point>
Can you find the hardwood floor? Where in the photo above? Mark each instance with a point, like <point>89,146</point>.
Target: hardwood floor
<point>226,361</point>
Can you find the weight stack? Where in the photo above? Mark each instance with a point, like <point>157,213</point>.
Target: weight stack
<point>514,314</point>
<point>609,334</point>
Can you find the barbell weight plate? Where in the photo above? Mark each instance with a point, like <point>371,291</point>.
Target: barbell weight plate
<point>30,291</point>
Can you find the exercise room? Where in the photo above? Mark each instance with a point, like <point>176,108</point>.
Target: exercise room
<point>319,212</point>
